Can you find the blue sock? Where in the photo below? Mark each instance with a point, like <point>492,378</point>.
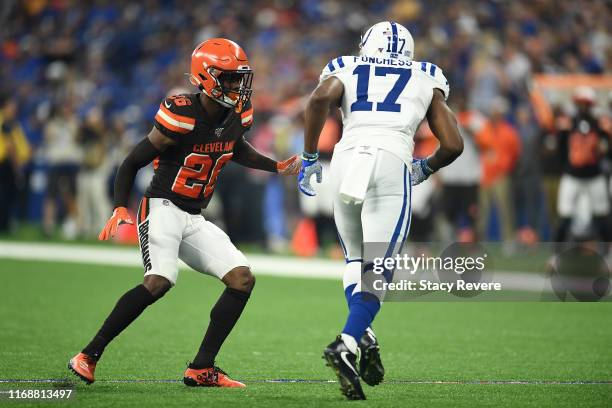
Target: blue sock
<point>348,293</point>
<point>363,307</point>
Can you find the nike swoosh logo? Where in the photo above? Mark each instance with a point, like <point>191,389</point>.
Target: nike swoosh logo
<point>167,105</point>
<point>343,356</point>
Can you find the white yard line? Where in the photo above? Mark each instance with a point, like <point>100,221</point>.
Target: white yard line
<point>271,265</point>
<point>129,256</point>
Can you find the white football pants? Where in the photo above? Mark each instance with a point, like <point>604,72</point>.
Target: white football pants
<point>383,216</point>
<point>167,234</point>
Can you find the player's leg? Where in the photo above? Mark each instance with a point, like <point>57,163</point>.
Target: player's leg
<point>347,218</point>
<point>600,204</point>
<point>569,191</point>
<point>160,229</point>
<point>348,225</point>
<point>343,353</point>
<point>484,212</point>
<point>504,204</point>
<point>207,249</point>
<point>385,217</point>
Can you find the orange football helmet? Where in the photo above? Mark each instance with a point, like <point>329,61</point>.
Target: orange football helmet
<point>217,63</point>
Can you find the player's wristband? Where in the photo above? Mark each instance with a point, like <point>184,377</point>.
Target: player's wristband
<point>310,156</point>
<point>426,168</point>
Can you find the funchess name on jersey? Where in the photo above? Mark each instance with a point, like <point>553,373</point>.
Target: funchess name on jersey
<point>384,61</point>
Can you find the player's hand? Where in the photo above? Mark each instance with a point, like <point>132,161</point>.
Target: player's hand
<point>420,171</point>
<point>289,167</point>
<point>309,167</point>
<point>120,216</point>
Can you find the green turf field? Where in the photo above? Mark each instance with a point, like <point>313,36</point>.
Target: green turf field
<point>50,310</point>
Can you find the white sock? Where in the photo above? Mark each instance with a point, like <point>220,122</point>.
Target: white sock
<point>350,342</point>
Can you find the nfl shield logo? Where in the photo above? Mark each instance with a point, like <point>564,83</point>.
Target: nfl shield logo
<point>218,132</point>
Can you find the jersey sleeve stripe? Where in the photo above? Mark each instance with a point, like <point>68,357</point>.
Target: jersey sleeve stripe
<point>248,112</point>
<point>172,123</point>
<point>424,66</point>
<point>330,66</point>
<point>168,126</point>
<point>247,119</point>
<point>432,70</point>
<point>178,118</point>
<point>340,62</point>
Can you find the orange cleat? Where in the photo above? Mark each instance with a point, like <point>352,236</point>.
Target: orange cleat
<point>83,366</point>
<point>209,377</point>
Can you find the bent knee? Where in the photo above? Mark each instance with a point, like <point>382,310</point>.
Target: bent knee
<point>240,278</point>
<point>157,285</point>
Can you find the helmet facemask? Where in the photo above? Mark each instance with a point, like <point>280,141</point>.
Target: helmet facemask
<point>232,89</point>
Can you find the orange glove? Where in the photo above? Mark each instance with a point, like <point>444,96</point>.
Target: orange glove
<point>289,167</point>
<point>120,216</point>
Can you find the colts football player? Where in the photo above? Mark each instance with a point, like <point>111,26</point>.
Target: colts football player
<point>383,95</point>
<point>194,136</point>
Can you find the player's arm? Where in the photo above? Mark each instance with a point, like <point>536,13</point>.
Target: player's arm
<point>246,155</point>
<point>141,155</point>
<point>327,95</point>
<point>443,124</point>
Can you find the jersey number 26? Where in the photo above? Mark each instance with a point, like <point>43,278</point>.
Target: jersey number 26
<point>192,178</point>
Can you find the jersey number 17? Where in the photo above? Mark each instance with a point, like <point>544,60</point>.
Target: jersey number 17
<point>389,104</point>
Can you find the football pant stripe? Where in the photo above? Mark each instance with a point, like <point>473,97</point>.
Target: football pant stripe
<point>138,213</point>
<point>407,230</point>
<point>342,245</point>
<point>143,209</point>
<point>398,227</point>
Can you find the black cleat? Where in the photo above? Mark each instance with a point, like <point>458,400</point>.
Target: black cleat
<point>344,364</point>
<point>371,368</point>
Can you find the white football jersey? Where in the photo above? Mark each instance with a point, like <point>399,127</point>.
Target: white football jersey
<point>384,101</point>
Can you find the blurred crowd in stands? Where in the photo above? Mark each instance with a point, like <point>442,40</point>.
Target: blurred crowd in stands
<point>82,80</point>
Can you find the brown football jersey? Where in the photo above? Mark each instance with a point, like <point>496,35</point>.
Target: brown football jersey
<point>186,172</point>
